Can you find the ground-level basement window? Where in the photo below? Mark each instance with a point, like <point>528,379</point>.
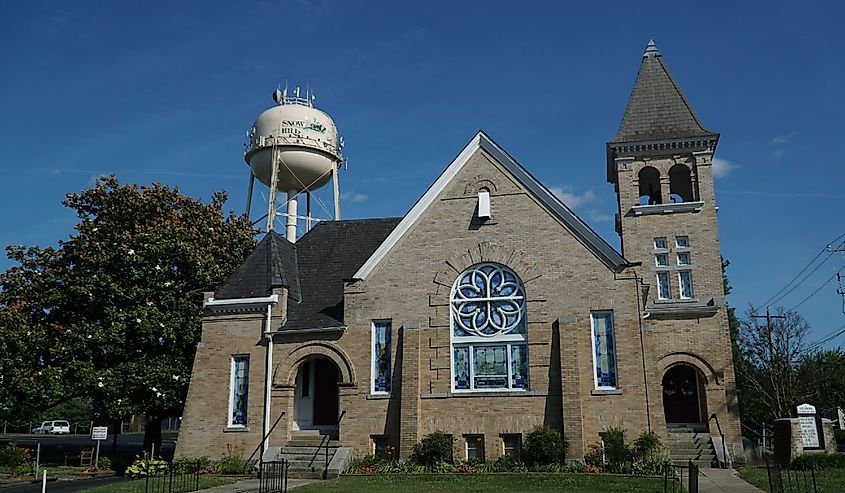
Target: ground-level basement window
<point>239,385</point>
<point>512,445</point>
<point>475,447</point>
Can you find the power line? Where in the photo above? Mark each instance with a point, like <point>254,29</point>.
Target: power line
<point>818,289</point>
<point>821,252</point>
<point>838,332</point>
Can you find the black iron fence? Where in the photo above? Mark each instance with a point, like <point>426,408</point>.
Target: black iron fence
<point>786,480</point>
<point>676,477</point>
<point>172,477</point>
<point>273,477</point>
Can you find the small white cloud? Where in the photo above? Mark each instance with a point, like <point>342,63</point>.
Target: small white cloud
<point>56,172</point>
<point>571,198</point>
<point>598,216</point>
<point>783,139</point>
<point>354,197</point>
<point>721,167</point>
<point>777,152</point>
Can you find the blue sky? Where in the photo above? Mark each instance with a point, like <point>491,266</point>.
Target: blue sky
<point>164,91</point>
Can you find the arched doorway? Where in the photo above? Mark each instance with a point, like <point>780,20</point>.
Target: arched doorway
<point>683,396</point>
<point>316,398</point>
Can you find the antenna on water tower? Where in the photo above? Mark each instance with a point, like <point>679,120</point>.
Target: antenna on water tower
<point>294,148</point>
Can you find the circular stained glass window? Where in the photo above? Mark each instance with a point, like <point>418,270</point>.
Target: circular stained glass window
<point>488,300</point>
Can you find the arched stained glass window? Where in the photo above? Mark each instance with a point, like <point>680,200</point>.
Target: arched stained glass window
<point>488,330</point>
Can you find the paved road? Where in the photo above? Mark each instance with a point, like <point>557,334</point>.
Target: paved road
<point>60,485</point>
<point>132,443</point>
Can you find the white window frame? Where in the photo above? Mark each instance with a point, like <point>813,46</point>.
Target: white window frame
<point>688,256</point>
<point>681,293</point>
<point>665,241</point>
<point>373,359</point>
<point>230,408</point>
<point>668,285</point>
<point>593,345</point>
<point>678,241</point>
<point>658,256</point>
<point>470,342</point>
<point>517,449</point>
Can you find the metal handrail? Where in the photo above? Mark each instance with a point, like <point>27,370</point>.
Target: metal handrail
<point>327,439</point>
<point>724,462</point>
<point>263,439</point>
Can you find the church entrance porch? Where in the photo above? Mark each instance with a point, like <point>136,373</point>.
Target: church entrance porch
<point>316,397</point>
<point>684,403</point>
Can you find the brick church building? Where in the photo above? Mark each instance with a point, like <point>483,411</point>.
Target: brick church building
<point>488,309</point>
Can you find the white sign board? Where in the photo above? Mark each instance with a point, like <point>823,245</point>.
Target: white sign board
<point>99,432</point>
<point>809,428</point>
<point>806,409</point>
<point>841,416</point>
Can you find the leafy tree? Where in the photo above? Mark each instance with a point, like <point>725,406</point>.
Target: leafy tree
<point>113,312</point>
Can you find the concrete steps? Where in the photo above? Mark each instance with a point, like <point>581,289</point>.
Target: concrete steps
<point>306,455</point>
<point>686,445</point>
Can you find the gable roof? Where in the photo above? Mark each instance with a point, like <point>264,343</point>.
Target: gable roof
<point>327,255</point>
<point>600,248</point>
<point>657,109</point>
<point>271,264</point>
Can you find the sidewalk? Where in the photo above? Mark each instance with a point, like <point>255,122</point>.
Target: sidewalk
<point>251,485</point>
<point>723,480</point>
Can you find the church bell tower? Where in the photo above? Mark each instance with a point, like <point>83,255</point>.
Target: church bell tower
<point>660,162</point>
<point>661,165</point>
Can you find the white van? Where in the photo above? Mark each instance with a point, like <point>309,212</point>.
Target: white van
<point>53,428</point>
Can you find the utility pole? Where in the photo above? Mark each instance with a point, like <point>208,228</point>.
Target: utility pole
<point>769,318</point>
<point>839,290</point>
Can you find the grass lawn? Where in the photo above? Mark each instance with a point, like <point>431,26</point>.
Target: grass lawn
<point>827,480</point>
<point>137,485</point>
<point>571,483</point>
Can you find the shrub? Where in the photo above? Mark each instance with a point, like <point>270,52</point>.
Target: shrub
<point>433,449</point>
<point>231,464</point>
<point>819,461</point>
<point>505,463</point>
<point>647,445</point>
<point>191,464</point>
<point>615,450</point>
<point>145,467</point>
<point>544,446</point>
<point>104,462</point>
<point>595,456</point>
<point>16,459</point>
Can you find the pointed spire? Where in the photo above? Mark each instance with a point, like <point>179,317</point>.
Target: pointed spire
<point>651,49</point>
<point>657,109</point>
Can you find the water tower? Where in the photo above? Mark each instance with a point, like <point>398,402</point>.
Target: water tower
<point>293,147</point>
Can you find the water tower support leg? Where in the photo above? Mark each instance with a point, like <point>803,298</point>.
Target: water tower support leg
<point>336,193</point>
<point>249,193</point>
<point>290,224</point>
<point>307,211</point>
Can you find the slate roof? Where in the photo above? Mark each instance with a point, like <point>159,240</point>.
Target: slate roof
<point>272,264</point>
<point>657,109</point>
<point>328,255</point>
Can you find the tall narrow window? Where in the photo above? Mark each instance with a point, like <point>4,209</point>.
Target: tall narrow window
<point>489,339</point>
<point>240,389</point>
<point>604,349</point>
<point>685,282</point>
<point>663,286</point>
<point>381,356</point>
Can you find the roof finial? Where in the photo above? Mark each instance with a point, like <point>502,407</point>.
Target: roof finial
<point>651,49</point>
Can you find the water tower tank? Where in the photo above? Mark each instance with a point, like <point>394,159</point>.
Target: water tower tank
<point>301,138</point>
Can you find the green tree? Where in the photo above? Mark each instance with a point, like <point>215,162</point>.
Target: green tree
<point>113,312</point>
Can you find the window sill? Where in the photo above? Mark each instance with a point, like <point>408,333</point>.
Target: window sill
<point>645,210</point>
<point>236,429</point>
<point>473,393</point>
<point>378,397</point>
<point>606,392</point>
